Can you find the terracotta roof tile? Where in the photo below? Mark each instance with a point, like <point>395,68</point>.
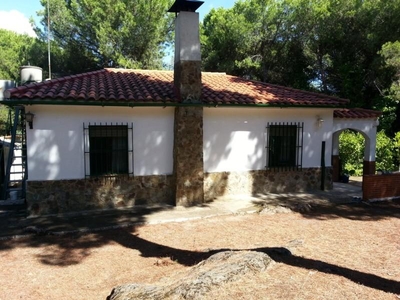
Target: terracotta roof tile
<point>356,113</point>
<point>144,86</point>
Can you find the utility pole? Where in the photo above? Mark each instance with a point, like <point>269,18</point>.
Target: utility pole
<point>48,37</point>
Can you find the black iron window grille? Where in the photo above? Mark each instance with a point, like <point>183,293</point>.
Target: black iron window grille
<point>284,146</point>
<point>108,149</point>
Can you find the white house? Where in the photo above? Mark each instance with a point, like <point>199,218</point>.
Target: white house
<point>118,138</point>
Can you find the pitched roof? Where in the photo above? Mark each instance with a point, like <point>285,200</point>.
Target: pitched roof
<point>144,87</point>
<point>356,113</point>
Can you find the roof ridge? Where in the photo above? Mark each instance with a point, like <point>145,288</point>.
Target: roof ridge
<point>165,71</point>
<point>134,70</point>
<point>215,73</point>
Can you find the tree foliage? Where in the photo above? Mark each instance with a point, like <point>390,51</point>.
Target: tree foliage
<point>108,33</point>
<point>255,39</point>
<point>384,152</point>
<point>396,146</point>
<point>19,50</point>
<point>332,46</point>
<point>351,148</point>
<point>391,54</point>
<point>16,50</point>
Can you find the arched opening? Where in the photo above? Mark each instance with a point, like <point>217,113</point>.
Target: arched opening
<point>362,121</point>
<point>369,149</point>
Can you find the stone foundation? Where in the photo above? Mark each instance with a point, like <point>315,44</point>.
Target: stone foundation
<point>262,182</point>
<point>62,196</point>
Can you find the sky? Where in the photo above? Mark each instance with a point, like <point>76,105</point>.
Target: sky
<point>15,14</point>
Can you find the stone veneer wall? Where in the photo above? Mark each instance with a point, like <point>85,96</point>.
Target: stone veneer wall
<point>263,181</point>
<point>187,81</point>
<point>188,156</point>
<point>62,196</point>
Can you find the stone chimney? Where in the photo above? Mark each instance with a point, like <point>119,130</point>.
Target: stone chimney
<point>187,64</point>
<point>188,131</point>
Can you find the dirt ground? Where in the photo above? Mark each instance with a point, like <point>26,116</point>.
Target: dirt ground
<point>347,251</point>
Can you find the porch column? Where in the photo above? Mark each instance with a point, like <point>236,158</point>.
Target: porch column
<point>369,167</point>
<point>335,157</point>
<point>369,164</point>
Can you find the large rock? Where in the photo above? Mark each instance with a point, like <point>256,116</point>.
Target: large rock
<point>215,271</point>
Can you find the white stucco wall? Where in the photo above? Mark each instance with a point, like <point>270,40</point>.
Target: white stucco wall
<point>55,144</point>
<point>235,138</point>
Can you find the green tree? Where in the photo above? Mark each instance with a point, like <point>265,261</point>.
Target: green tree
<point>256,39</point>
<point>19,50</point>
<point>357,71</point>
<point>391,54</point>
<point>108,33</point>
<point>15,51</point>
<point>351,149</point>
<point>396,146</point>
<point>384,152</point>
<point>332,46</point>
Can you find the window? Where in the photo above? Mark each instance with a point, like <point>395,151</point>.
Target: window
<point>284,146</point>
<point>107,151</point>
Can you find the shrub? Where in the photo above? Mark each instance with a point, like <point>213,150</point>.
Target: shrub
<point>351,148</point>
<point>396,146</point>
<point>384,152</point>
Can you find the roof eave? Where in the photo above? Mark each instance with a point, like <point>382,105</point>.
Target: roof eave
<point>15,102</point>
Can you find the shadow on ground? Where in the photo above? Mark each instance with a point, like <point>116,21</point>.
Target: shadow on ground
<point>70,234</point>
<point>278,254</point>
<point>343,201</point>
<point>73,247</point>
<point>324,209</point>
<point>366,279</point>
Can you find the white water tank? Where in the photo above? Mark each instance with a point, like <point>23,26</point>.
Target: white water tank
<point>5,85</point>
<point>30,74</point>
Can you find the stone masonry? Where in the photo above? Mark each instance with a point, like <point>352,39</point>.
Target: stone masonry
<point>187,81</point>
<point>188,127</point>
<point>263,182</point>
<point>63,196</point>
<point>188,156</point>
